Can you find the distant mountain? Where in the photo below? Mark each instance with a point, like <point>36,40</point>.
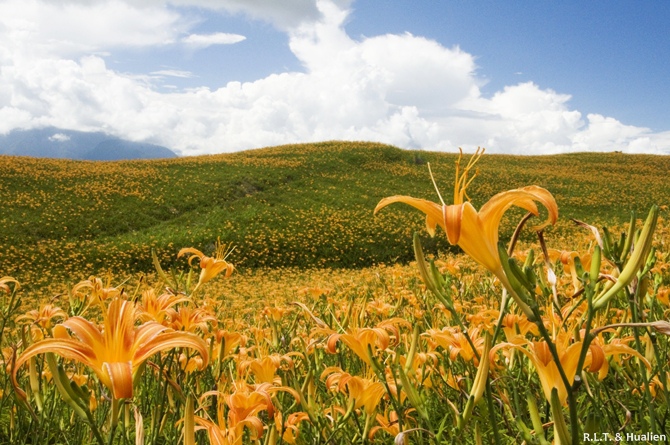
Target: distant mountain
<point>51,142</point>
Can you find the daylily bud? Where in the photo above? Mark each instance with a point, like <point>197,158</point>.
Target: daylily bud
<point>530,259</point>
<point>593,424</point>
<point>412,394</point>
<point>429,276</point>
<point>595,265</point>
<point>607,243</point>
<point>412,349</point>
<point>636,261</point>
<point>628,240</point>
<point>579,268</point>
<point>479,384</point>
<point>521,275</point>
<point>426,277</point>
<point>189,421</point>
<point>514,286</point>
<point>35,383</point>
<point>561,431</point>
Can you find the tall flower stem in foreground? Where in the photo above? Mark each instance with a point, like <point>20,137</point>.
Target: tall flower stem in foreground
<point>477,234</point>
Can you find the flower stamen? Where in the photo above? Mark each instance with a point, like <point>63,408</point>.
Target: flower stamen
<point>462,181</point>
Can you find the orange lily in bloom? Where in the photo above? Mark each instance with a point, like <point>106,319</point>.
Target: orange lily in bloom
<point>363,393</point>
<point>359,340</point>
<point>517,325</point>
<point>477,232</point>
<point>155,308</point>
<point>366,341</point>
<point>210,266</point>
<point>567,258</point>
<point>43,316</point>
<point>191,319</point>
<point>227,342</point>
<point>97,288</point>
<point>291,426</point>
<point>116,352</point>
<point>265,368</point>
<point>388,422</point>
<point>3,284</point>
<point>244,405</point>
<point>453,340</point>
<point>540,356</point>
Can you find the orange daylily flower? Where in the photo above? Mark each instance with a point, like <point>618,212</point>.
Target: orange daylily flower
<point>116,352</point>
<point>226,342</point>
<point>44,316</point>
<point>453,340</point>
<point>290,426</point>
<point>477,232</point>
<point>265,368</point>
<point>152,307</point>
<point>191,319</point>
<point>363,393</point>
<point>359,340</point>
<point>540,356</point>
<point>98,290</point>
<point>567,259</point>
<point>244,405</point>
<point>388,422</point>
<point>210,266</point>
<point>514,325</point>
<point>3,284</point>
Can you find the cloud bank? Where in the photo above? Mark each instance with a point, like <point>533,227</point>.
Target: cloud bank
<point>405,90</point>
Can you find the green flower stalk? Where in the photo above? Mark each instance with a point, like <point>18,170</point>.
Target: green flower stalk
<point>636,261</point>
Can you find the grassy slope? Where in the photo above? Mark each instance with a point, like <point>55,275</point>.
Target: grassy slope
<point>301,205</point>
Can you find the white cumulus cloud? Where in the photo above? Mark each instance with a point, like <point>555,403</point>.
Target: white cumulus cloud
<point>36,28</point>
<point>400,89</point>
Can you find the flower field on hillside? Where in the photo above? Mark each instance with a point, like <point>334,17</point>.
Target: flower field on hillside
<point>536,339</point>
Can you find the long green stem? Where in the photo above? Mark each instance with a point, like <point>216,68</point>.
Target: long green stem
<point>114,420</point>
<point>632,300</point>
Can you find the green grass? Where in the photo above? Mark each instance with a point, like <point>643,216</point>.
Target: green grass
<point>304,205</point>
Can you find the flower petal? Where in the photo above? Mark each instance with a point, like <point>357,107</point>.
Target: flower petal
<point>171,340</point>
<point>190,250</point>
<point>433,211</point>
<point>524,197</point>
<point>453,217</point>
<point>120,374</point>
<point>85,331</point>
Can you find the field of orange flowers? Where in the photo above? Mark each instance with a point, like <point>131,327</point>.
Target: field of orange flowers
<point>295,206</point>
<point>549,336</point>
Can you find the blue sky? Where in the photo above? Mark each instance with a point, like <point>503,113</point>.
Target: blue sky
<point>208,76</point>
<point>613,57</point>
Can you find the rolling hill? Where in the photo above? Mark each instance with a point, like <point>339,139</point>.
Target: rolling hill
<point>304,205</point>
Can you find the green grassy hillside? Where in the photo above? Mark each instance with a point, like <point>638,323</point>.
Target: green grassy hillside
<point>300,205</point>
